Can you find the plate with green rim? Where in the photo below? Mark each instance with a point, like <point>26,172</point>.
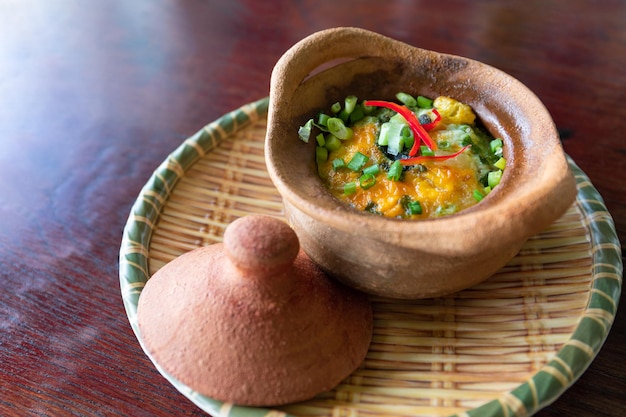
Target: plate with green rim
<point>544,317</point>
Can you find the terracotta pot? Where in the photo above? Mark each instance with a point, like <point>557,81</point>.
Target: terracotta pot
<point>253,321</point>
<point>403,258</point>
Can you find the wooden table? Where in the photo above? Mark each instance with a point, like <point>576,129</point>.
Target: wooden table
<point>94,95</point>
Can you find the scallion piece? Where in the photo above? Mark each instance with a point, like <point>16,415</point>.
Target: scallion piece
<point>367,109</point>
<point>322,119</point>
<point>383,136</point>
<point>395,171</point>
<point>407,137</point>
<point>500,163</point>
<point>414,207</point>
<point>406,99</point>
<point>398,118</point>
<point>357,114</point>
<point>446,209</point>
<point>320,139</point>
<point>395,139</point>
<point>357,162</point>
<point>367,181</point>
<point>337,127</point>
<point>371,170</point>
<point>496,145</point>
<point>349,188</point>
<point>494,177</point>
<point>424,102</point>
<point>336,108</point>
<point>425,151</point>
<point>478,195</point>
<point>350,104</point>
<point>321,154</point>
<point>338,163</point>
<point>332,143</point>
<point>304,132</point>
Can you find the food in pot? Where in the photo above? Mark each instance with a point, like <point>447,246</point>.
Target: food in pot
<point>417,158</point>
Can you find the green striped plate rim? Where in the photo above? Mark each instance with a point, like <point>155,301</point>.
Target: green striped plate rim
<point>540,390</point>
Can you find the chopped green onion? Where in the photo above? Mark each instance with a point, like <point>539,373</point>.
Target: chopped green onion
<point>320,139</point>
<point>357,114</point>
<point>406,99</point>
<point>487,190</point>
<point>409,205</point>
<point>424,102</point>
<point>407,137</point>
<point>446,209</point>
<point>366,109</point>
<point>414,207</point>
<point>500,163</point>
<point>305,131</point>
<point>358,161</point>
<point>332,142</point>
<point>349,188</point>
<point>494,177</point>
<point>338,164</point>
<point>367,181</point>
<point>394,137</point>
<point>337,127</point>
<point>496,145</point>
<point>372,170</point>
<point>395,171</point>
<point>350,104</point>
<point>398,118</point>
<point>478,195</point>
<point>383,136</point>
<point>322,119</point>
<point>425,151</point>
<point>321,154</point>
<point>395,142</point>
<point>336,108</point>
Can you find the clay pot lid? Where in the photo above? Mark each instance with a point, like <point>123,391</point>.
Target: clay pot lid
<point>253,321</point>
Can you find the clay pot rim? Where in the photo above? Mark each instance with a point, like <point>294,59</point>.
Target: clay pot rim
<point>519,189</point>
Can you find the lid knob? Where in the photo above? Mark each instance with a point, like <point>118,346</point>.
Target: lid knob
<point>260,245</point>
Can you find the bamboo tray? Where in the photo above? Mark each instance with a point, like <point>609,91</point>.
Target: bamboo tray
<point>509,346</point>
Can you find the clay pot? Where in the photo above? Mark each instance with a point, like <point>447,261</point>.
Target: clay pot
<point>253,321</point>
<point>403,258</point>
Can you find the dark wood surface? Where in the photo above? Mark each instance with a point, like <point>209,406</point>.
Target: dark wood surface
<point>95,94</point>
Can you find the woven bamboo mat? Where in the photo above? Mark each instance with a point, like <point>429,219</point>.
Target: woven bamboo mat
<point>508,346</point>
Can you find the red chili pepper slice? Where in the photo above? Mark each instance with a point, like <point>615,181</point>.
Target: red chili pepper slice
<point>419,159</point>
<point>419,132</point>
